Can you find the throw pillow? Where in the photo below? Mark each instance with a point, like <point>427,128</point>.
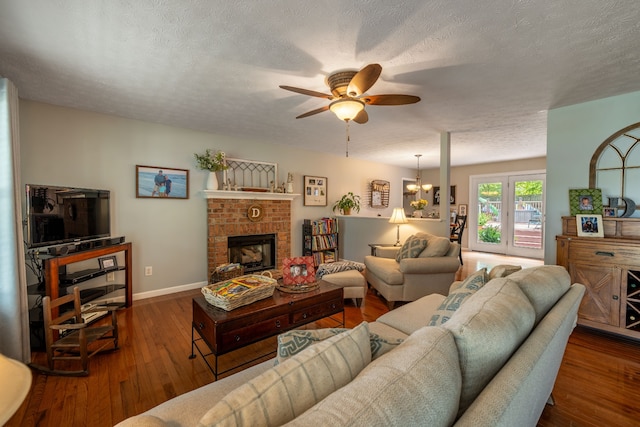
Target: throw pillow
<point>293,342</point>
<point>458,296</point>
<point>503,270</point>
<point>411,248</point>
<point>286,391</point>
<point>437,246</point>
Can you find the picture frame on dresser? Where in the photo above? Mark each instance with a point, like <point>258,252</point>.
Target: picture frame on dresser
<point>585,201</point>
<point>315,190</point>
<point>590,225</point>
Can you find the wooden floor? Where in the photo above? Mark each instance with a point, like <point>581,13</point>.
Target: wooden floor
<point>597,386</point>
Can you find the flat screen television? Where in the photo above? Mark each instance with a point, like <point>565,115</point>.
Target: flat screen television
<point>59,215</point>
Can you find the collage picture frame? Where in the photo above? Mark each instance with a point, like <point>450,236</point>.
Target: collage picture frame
<point>315,190</point>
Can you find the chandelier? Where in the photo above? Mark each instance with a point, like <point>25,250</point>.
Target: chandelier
<point>414,188</point>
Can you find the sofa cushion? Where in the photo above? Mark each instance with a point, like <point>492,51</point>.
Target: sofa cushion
<point>293,342</point>
<point>488,328</point>
<point>411,248</point>
<point>436,245</point>
<point>417,384</point>
<point>543,285</point>
<point>290,388</point>
<point>454,300</point>
<point>409,318</point>
<point>386,269</point>
<point>503,270</point>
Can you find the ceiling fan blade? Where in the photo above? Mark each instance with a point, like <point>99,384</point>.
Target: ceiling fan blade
<point>390,99</point>
<point>312,112</point>
<point>307,92</point>
<point>362,117</point>
<point>364,79</point>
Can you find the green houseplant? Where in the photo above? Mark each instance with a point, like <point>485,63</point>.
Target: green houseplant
<point>347,203</point>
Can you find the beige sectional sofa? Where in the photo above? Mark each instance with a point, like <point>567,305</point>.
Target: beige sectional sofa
<point>490,359</point>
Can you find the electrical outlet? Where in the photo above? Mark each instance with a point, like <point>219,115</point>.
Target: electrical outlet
<point>148,271</point>
<point>111,277</point>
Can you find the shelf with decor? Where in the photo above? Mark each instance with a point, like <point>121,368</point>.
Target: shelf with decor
<point>320,240</point>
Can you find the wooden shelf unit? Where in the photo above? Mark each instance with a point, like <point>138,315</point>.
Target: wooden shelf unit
<point>320,240</point>
<point>610,269</point>
<point>54,280</point>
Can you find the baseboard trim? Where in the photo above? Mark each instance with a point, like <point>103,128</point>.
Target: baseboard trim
<point>168,291</point>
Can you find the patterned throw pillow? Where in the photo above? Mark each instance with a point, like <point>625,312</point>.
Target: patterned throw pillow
<point>284,392</point>
<point>293,342</point>
<point>455,299</point>
<point>411,248</point>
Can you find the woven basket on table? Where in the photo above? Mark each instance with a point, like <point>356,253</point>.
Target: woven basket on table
<point>264,290</point>
<point>219,276</point>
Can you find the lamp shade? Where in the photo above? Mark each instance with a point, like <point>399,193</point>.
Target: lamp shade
<point>398,216</point>
<point>16,380</point>
<point>346,109</point>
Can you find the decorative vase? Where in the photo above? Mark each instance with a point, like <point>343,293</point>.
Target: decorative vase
<point>212,181</point>
<point>289,187</point>
<point>417,214</point>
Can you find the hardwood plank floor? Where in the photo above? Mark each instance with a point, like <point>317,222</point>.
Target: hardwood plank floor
<point>596,386</point>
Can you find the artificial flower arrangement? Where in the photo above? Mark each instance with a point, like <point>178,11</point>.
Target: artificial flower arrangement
<point>419,204</point>
<point>211,161</point>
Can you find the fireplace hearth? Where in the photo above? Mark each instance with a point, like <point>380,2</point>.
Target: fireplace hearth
<point>254,252</point>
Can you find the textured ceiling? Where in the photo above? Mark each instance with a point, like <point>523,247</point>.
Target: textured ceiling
<point>487,71</point>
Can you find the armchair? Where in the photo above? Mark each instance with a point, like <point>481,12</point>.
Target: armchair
<point>430,271</point>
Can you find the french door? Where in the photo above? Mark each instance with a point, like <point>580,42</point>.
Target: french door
<point>506,214</point>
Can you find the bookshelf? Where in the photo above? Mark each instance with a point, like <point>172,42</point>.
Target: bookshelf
<point>320,240</point>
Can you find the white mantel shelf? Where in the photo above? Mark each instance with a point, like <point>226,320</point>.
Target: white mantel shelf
<point>249,195</point>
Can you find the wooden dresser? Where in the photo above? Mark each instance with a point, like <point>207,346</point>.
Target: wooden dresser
<point>609,267</point>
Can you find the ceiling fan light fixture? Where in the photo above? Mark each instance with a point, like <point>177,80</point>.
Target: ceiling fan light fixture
<point>346,109</point>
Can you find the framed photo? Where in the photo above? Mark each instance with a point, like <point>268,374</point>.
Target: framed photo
<point>590,225</point>
<point>315,191</point>
<point>436,195</point>
<point>609,212</point>
<point>160,182</point>
<point>462,210</point>
<point>583,201</point>
<point>108,263</point>
<point>298,270</point>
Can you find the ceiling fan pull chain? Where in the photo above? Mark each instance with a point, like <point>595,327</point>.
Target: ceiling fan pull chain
<point>348,139</point>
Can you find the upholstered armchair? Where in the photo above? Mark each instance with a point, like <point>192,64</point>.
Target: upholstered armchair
<point>423,265</point>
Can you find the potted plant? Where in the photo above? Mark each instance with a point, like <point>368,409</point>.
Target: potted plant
<point>418,205</point>
<point>212,162</point>
<point>347,203</point>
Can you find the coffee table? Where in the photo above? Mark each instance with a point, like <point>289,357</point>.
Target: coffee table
<point>225,331</point>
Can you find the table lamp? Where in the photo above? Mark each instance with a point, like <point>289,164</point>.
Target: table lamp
<point>398,217</point>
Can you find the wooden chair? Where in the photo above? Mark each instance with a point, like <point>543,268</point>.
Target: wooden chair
<point>457,229</point>
<point>67,337</point>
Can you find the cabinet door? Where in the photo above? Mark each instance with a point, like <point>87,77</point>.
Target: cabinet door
<point>601,302</point>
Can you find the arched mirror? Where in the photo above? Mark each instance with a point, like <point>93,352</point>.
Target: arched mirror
<point>615,166</point>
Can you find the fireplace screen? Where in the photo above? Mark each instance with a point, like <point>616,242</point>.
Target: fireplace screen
<point>254,253</point>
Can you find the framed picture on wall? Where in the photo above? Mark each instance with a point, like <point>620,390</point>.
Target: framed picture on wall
<point>162,183</point>
<point>462,210</point>
<point>590,225</point>
<point>315,190</point>
<point>436,195</point>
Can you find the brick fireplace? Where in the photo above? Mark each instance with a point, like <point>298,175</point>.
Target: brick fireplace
<point>227,216</point>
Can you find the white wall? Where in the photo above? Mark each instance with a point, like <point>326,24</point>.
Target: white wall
<point>573,134</point>
<point>63,146</point>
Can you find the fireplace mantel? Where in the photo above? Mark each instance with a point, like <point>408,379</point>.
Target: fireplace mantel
<point>249,195</point>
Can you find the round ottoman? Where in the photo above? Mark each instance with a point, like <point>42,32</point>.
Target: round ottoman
<point>351,281</point>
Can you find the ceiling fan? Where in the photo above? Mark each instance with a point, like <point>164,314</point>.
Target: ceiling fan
<point>348,97</point>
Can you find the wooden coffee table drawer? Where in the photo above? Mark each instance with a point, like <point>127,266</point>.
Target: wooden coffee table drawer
<point>241,337</point>
<point>317,311</point>
<point>204,325</point>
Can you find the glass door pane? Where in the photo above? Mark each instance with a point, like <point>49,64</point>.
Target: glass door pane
<point>487,234</point>
<point>527,195</point>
